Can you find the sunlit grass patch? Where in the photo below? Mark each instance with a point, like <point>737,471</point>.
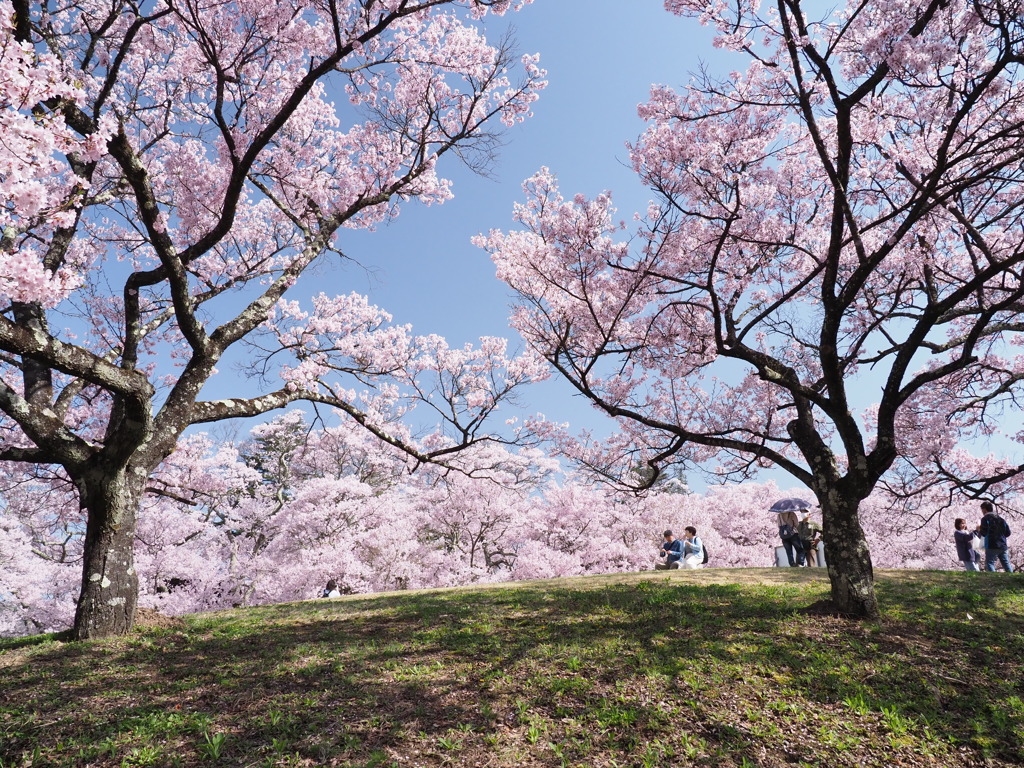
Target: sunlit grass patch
<point>687,669</point>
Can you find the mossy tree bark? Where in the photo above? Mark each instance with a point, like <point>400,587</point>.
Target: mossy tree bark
<point>110,586</point>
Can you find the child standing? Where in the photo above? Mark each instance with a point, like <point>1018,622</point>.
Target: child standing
<point>965,551</point>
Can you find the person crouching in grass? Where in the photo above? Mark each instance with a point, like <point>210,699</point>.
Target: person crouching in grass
<point>672,552</point>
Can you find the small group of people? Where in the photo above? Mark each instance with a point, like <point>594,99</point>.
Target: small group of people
<point>993,532</point>
<point>800,537</point>
<point>687,552</point>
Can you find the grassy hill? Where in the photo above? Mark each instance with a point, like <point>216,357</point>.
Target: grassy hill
<point>706,668</point>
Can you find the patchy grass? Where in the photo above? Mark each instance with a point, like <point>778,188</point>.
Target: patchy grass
<point>722,668</point>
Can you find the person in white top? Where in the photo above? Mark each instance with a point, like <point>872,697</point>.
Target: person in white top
<point>693,549</point>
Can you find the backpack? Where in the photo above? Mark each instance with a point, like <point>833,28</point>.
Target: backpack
<point>998,530</point>
<point>806,530</point>
<point>705,560</point>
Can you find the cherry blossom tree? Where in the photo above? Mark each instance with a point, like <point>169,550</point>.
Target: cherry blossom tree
<point>168,171</point>
<point>273,517</point>
<point>829,279</point>
<point>40,550</point>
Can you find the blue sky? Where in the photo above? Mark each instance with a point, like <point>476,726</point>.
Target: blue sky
<point>601,57</point>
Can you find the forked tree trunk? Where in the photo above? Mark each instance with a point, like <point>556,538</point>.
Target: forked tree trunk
<point>847,556</point>
<point>110,586</point>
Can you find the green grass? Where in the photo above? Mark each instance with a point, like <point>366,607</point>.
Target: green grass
<point>714,668</point>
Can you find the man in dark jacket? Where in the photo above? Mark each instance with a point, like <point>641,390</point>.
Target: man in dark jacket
<point>995,530</point>
<point>672,551</point>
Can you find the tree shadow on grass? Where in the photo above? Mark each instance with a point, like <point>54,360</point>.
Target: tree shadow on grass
<point>723,671</point>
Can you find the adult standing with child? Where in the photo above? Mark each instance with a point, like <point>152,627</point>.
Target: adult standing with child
<point>995,530</point>
<point>965,551</point>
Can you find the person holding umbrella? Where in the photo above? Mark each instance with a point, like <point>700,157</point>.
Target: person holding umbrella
<point>789,528</point>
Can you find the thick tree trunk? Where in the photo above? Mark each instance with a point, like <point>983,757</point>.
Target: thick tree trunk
<point>110,586</point>
<point>847,555</point>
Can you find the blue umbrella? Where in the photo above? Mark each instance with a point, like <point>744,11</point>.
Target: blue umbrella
<point>790,505</point>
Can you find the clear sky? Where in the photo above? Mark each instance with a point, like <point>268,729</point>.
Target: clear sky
<point>601,57</point>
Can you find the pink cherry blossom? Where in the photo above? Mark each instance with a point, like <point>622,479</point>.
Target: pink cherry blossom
<point>826,281</point>
<point>167,175</point>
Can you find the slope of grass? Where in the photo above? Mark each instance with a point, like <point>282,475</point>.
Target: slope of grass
<point>712,668</point>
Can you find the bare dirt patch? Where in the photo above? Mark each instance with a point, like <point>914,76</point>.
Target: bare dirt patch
<point>148,618</point>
